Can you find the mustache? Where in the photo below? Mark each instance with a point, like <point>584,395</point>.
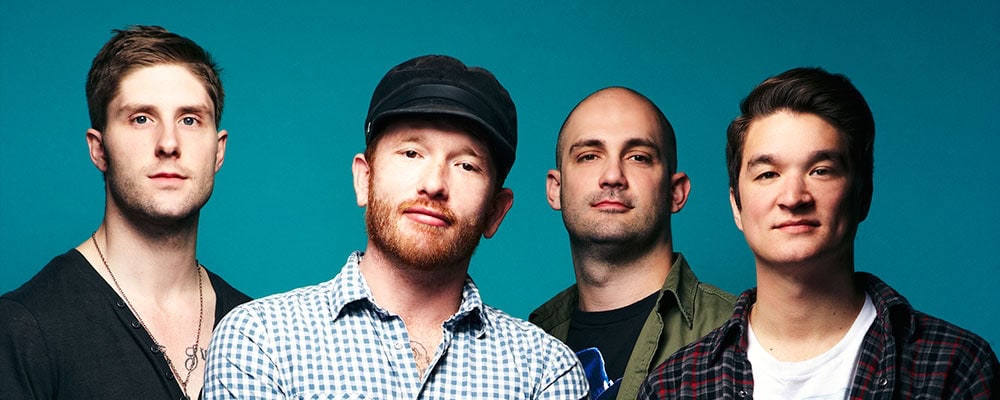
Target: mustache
<point>447,215</point>
<point>611,194</point>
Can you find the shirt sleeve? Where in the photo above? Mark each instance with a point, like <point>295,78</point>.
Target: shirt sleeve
<point>25,371</point>
<point>239,363</point>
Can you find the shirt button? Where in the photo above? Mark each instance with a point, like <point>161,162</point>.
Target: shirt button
<point>398,345</point>
<point>135,324</point>
<point>883,382</point>
<point>154,348</point>
<point>120,304</point>
<point>742,394</point>
<point>169,376</point>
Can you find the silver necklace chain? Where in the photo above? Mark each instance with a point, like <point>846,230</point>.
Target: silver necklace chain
<point>188,365</point>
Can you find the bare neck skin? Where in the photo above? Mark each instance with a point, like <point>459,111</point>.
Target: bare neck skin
<point>155,268</point>
<point>424,299</point>
<point>804,310</point>
<point>612,277</point>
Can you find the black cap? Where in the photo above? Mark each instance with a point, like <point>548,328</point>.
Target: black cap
<point>443,85</point>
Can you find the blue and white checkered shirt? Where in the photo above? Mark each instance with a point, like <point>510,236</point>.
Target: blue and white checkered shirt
<point>332,341</point>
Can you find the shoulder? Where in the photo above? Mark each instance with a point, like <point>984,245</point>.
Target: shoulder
<point>226,295</point>
<point>62,280</point>
<point>938,342</point>
<point>524,336</point>
<point>556,310</point>
<point>692,364</point>
<point>281,309</point>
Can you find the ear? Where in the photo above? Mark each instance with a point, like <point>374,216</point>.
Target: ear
<point>502,202</point>
<point>680,188</point>
<point>361,170</point>
<point>736,210</point>
<point>220,151</point>
<point>553,189</point>
<point>95,145</point>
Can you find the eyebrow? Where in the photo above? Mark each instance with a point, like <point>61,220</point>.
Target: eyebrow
<point>814,157</point>
<point>466,150</point>
<point>629,144</point>
<point>149,108</point>
<point>586,143</point>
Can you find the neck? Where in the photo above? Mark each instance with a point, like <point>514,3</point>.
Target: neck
<point>416,293</point>
<point>609,280</point>
<point>806,309</point>
<point>160,262</point>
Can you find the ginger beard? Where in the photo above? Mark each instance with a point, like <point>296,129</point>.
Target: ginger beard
<point>430,247</point>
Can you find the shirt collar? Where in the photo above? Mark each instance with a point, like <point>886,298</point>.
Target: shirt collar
<point>682,284</point>
<point>893,310</point>
<point>350,287</point>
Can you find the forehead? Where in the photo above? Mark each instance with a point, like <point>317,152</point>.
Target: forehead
<point>438,134</point>
<point>164,85</point>
<point>790,135</point>
<point>612,116</point>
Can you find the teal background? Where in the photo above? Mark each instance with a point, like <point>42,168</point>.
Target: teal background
<point>299,77</point>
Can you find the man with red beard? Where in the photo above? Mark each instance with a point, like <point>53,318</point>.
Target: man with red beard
<point>403,319</point>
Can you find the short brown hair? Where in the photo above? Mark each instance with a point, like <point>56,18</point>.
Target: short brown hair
<point>144,46</point>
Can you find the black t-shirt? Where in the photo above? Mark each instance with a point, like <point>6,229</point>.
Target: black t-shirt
<point>613,332</point>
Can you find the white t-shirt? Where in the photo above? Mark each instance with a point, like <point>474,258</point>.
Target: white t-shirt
<point>825,377</point>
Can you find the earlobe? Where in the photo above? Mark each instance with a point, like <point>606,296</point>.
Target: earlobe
<point>220,152</point>
<point>553,189</point>
<point>502,202</point>
<point>361,171</point>
<point>680,188</point>
<point>95,146</point>
<point>736,210</point>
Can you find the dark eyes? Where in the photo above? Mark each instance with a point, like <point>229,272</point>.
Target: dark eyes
<point>410,154</point>
<point>767,175</point>
<point>822,171</point>
<point>142,119</point>
<point>189,121</point>
<point>640,158</point>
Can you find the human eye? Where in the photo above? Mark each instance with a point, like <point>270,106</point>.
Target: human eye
<point>640,158</point>
<point>190,121</point>
<point>823,171</point>
<point>586,157</point>
<point>410,153</point>
<point>468,166</point>
<point>140,120</point>
<point>766,175</point>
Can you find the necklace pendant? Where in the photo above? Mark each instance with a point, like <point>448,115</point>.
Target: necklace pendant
<point>191,362</point>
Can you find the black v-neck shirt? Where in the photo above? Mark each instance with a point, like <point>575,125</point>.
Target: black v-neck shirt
<point>67,334</point>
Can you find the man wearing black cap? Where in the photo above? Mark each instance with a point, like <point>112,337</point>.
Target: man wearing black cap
<point>403,319</point>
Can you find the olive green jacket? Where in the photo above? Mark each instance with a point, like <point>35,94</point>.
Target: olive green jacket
<point>687,310</point>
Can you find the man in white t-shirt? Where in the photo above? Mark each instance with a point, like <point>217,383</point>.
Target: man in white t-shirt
<point>800,160</point>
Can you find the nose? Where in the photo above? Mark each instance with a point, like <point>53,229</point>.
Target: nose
<point>167,142</point>
<point>613,175</point>
<point>433,182</point>
<point>795,195</point>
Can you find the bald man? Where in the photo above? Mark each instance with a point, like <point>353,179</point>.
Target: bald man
<point>635,301</point>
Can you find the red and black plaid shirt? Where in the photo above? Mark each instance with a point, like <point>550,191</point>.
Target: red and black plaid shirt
<point>905,354</point>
